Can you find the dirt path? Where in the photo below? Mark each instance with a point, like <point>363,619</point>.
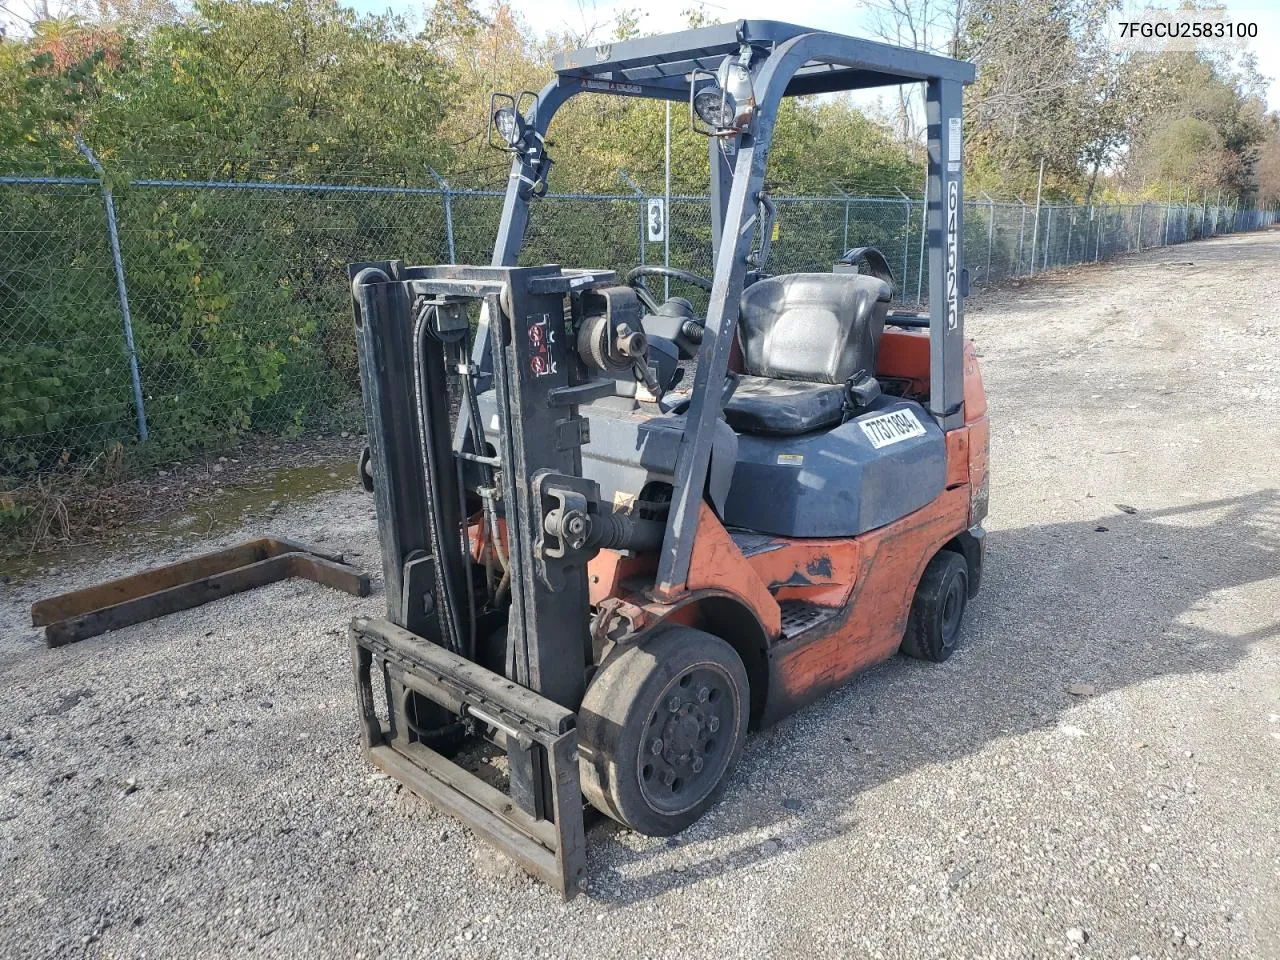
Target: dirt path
<point>193,786</point>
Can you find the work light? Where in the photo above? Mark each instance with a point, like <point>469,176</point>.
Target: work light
<point>713,108</point>
<point>726,102</point>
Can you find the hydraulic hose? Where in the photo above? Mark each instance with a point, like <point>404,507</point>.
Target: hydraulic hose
<point>478,444</point>
<point>431,475</point>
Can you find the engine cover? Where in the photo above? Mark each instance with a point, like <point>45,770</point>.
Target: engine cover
<point>862,474</point>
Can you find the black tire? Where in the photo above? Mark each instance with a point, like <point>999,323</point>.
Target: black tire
<point>628,712</point>
<point>933,628</point>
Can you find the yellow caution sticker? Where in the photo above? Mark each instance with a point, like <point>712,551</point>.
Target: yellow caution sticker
<point>791,459</point>
<point>775,230</point>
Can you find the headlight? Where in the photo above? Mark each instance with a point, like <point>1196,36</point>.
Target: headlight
<point>725,101</point>
<point>714,108</point>
<point>507,122</point>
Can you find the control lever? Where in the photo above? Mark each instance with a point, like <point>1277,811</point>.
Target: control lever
<point>644,373</point>
<point>731,382</point>
<point>768,215</point>
<point>634,346</point>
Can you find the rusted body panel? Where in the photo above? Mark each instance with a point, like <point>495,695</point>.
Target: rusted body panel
<point>979,472</point>
<point>975,418</point>
<point>975,396</point>
<point>608,571</point>
<point>718,564</point>
<point>870,628</point>
<point>817,571</point>
<point>904,355</point>
<point>957,457</point>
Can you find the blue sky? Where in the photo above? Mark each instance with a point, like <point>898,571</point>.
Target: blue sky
<point>841,16</point>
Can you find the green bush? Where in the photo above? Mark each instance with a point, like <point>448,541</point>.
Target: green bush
<point>64,385</point>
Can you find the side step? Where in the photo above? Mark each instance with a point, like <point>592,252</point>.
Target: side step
<point>801,615</point>
<point>552,845</point>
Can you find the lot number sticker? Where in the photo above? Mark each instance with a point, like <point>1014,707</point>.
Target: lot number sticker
<point>890,428</point>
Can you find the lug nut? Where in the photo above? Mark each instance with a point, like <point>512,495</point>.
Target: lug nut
<point>713,724</point>
<point>668,777</point>
<point>697,764</point>
<point>703,694</point>
<point>656,746</point>
<point>674,704</point>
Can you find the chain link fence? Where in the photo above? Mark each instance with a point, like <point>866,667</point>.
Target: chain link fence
<point>185,314</point>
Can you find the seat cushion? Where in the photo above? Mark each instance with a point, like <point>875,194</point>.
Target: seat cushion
<point>784,408</point>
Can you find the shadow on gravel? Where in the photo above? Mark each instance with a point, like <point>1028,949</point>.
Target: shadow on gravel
<point>1109,603</point>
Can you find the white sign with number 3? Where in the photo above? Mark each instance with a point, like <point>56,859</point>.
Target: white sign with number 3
<point>657,219</point>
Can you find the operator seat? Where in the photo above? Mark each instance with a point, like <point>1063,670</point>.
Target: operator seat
<point>804,336</point>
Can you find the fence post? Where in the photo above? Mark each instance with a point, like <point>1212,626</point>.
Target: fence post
<point>1035,229</point>
<point>1048,238</point>
<point>1097,244</point>
<point>122,292</point>
<point>1088,232</point>
<point>445,192</point>
<point>642,219</point>
<point>991,228</point>
<point>1164,239</point>
<point>844,237</point>
<point>1142,210</point>
<point>1071,229</point>
<point>906,234</point>
<point>1022,232</point>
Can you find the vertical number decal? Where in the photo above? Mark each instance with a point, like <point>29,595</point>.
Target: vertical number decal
<point>953,256</point>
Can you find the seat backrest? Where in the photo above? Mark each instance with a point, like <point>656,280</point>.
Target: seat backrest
<point>822,327</point>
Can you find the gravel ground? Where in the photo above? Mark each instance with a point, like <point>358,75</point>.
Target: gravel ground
<point>193,786</point>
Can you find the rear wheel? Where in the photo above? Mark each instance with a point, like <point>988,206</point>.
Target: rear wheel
<point>933,628</point>
<point>661,727</point>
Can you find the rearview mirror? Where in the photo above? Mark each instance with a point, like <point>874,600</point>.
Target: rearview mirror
<point>507,120</point>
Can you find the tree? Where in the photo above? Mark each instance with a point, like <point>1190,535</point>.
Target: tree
<point>281,89</point>
<point>1200,125</point>
<point>1268,167</point>
<point>1042,92</point>
<point>48,84</point>
<point>934,26</point>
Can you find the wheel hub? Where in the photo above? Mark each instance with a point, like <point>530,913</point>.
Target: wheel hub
<point>683,754</point>
<point>683,733</point>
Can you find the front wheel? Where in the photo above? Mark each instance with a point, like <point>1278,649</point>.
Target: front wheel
<point>660,729</point>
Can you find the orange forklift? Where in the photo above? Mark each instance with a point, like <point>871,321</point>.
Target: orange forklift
<point>597,581</point>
